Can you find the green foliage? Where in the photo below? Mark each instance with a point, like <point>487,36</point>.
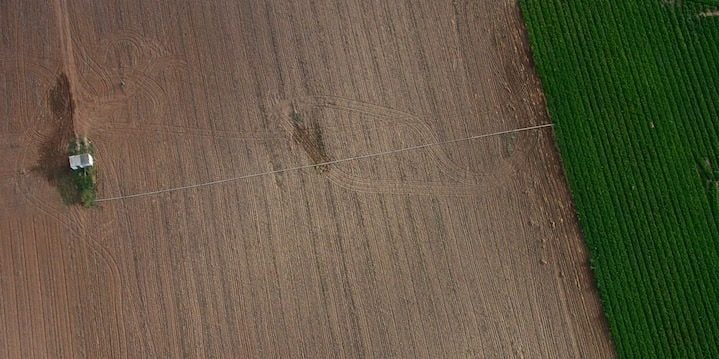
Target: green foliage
<point>67,188</point>
<point>85,184</point>
<point>81,186</point>
<point>87,197</point>
<point>633,89</point>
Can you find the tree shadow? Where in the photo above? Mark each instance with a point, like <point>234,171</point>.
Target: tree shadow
<point>52,163</point>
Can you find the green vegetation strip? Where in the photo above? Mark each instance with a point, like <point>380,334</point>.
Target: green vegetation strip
<point>84,180</point>
<point>633,89</point>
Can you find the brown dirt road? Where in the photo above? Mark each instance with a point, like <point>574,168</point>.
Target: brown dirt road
<point>468,249</point>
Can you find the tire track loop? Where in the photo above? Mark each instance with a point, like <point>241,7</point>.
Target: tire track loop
<point>41,68</point>
<point>469,182</point>
<point>70,219</point>
<point>134,82</point>
<point>134,39</point>
<point>122,214</point>
<point>86,107</point>
<point>253,135</point>
<point>315,165</point>
<point>415,123</point>
<point>401,120</point>
<point>99,102</point>
<point>74,221</point>
<point>396,117</point>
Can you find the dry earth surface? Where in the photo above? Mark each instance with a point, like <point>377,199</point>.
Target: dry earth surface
<point>469,249</point>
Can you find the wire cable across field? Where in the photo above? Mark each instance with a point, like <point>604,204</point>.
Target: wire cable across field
<point>314,165</point>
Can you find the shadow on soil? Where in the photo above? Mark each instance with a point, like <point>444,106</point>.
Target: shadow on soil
<point>53,155</point>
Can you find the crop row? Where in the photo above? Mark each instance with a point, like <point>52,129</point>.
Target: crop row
<point>633,88</point>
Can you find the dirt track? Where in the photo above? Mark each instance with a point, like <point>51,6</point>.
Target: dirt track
<point>464,250</point>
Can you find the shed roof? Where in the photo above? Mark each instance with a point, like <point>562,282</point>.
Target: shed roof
<point>81,161</point>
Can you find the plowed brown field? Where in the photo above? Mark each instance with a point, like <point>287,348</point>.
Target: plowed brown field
<point>469,249</point>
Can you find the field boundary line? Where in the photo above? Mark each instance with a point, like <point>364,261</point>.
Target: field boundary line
<point>332,162</point>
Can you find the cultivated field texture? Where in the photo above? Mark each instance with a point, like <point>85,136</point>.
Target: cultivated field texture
<point>469,249</point>
<point>633,87</point>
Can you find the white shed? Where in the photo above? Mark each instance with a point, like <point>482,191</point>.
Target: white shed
<point>81,161</point>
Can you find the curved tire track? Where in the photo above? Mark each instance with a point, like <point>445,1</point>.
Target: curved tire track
<point>466,181</point>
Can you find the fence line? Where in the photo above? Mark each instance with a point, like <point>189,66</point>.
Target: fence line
<point>370,155</point>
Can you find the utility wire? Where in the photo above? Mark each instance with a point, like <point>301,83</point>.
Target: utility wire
<point>314,165</point>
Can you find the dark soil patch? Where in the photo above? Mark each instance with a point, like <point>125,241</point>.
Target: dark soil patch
<point>309,135</point>
<point>53,163</point>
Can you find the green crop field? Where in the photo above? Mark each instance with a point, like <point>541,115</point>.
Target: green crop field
<point>633,89</point>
